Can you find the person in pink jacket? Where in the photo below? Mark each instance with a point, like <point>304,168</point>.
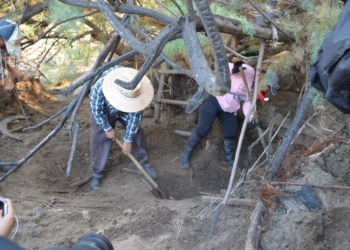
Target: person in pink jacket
<point>225,109</point>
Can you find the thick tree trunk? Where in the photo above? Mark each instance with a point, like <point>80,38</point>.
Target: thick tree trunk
<point>291,132</point>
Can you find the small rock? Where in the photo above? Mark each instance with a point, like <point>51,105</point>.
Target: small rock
<point>319,161</point>
<point>86,215</point>
<point>140,212</point>
<point>128,212</point>
<point>186,219</point>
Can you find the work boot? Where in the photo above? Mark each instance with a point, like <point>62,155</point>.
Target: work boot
<point>96,183</point>
<point>229,152</point>
<point>191,144</point>
<point>152,173</point>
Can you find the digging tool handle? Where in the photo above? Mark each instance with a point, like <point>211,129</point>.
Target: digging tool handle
<point>155,185</point>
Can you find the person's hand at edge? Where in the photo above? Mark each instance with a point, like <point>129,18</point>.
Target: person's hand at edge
<point>8,222</point>
<point>126,149</point>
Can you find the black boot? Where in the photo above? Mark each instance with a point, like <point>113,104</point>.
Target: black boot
<point>229,152</point>
<point>191,144</point>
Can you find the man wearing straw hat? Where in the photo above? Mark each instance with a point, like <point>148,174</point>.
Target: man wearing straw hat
<point>10,36</point>
<point>110,103</point>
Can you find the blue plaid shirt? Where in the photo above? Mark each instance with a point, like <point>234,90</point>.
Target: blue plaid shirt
<point>100,108</point>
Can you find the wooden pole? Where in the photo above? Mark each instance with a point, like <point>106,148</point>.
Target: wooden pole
<point>250,100</point>
<point>158,97</point>
<point>183,133</point>
<point>254,231</point>
<point>168,101</point>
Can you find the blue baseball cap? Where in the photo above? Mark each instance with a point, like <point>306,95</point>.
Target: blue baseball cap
<point>12,35</point>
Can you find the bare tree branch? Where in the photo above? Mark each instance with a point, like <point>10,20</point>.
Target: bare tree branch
<point>64,21</point>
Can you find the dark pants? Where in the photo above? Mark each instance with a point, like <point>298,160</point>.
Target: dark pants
<point>208,112</point>
<point>100,145</point>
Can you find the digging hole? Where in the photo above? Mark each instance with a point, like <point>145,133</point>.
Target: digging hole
<point>207,175</point>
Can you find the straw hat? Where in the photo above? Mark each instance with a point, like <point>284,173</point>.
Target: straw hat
<point>124,99</point>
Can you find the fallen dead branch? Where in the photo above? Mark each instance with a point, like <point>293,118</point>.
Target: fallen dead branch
<point>132,171</point>
<point>79,182</point>
<point>320,145</point>
<point>179,225</point>
<point>277,183</point>
<point>47,120</point>
<point>3,126</point>
<point>183,133</point>
<point>231,201</point>
<point>254,231</point>
<point>74,145</point>
<point>72,206</point>
<point>321,152</point>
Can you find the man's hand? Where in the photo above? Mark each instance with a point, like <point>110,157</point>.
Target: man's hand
<point>126,148</point>
<point>256,123</point>
<point>7,223</point>
<point>111,134</point>
<point>13,72</point>
<point>17,75</point>
<point>8,85</point>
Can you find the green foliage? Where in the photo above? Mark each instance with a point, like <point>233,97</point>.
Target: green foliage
<point>71,62</point>
<point>293,27</point>
<point>318,99</point>
<point>29,31</point>
<point>266,80</point>
<point>57,12</point>
<point>310,28</point>
<point>283,65</point>
<point>322,20</point>
<point>307,5</point>
<point>216,9</point>
<point>176,50</point>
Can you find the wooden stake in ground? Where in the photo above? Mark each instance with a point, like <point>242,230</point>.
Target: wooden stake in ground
<point>154,184</point>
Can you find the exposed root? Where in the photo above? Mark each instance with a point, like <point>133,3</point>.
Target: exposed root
<point>289,169</point>
<point>268,194</point>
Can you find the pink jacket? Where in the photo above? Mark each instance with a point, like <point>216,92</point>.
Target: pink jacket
<point>232,102</point>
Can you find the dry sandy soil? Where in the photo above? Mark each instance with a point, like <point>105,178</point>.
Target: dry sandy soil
<point>56,211</point>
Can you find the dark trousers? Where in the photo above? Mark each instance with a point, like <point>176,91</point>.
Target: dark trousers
<point>208,112</point>
<point>100,145</point>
